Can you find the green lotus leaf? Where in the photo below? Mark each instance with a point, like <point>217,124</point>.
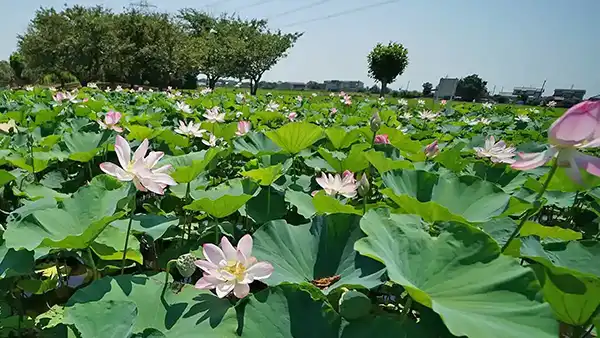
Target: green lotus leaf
<point>74,225</point>
<point>296,136</point>
<point>321,249</point>
<point>342,138</point>
<point>95,317</point>
<point>255,144</point>
<point>448,197</point>
<point>461,275</point>
<point>570,276</point>
<point>265,176</point>
<point>186,313</point>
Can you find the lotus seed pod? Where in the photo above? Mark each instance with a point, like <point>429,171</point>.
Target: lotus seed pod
<point>185,265</point>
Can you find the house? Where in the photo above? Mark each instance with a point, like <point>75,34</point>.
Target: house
<point>337,85</point>
<point>292,85</point>
<point>529,92</point>
<point>566,94</point>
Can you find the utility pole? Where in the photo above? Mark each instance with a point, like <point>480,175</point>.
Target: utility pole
<point>142,5</point>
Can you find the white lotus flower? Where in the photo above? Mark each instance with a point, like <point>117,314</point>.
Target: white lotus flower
<point>272,106</point>
<point>238,114</point>
<point>182,106</point>
<point>484,121</point>
<point>299,98</point>
<point>228,269</point>
<point>534,111</point>
<point>119,89</point>
<point>522,118</point>
<point>52,89</point>
<point>406,116</point>
<point>314,94</point>
<point>213,141</point>
<point>239,98</point>
<point>428,115</point>
<point>213,115</point>
<point>487,105</point>
<point>331,94</point>
<point>150,90</point>
<point>469,121</point>
<point>190,130</point>
<point>344,185</point>
<point>11,125</point>
<point>205,91</point>
<point>421,102</point>
<point>551,104</point>
<point>29,88</point>
<point>497,152</point>
<point>403,102</point>
<point>92,85</point>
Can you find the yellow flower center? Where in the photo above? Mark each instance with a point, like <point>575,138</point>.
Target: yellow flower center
<point>237,269</point>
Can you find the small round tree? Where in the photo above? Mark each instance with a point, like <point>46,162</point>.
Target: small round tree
<point>386,62</point>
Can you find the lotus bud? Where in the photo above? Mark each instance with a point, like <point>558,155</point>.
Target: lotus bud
<point>432,149</point>
<point>185,265</point>
<point>375,122</point>
<point>363,186</point>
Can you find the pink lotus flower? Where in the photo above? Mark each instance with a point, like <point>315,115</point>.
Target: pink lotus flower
<point>344,185</point>
<point>382,139</point>
<point>292,116</point>
<point>229,269</point>
<point>59,97</point>
<point>110,121</point>
<point>243,127</point>
<point>443,102</point>
<point>578,128</point>
<point>432,149</point>
<point>333,111</point>
<point>139,169</point>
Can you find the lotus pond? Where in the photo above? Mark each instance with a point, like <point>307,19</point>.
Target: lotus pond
<point>218,214</point>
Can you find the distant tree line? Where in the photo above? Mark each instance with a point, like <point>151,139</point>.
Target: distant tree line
<point>139,47</point>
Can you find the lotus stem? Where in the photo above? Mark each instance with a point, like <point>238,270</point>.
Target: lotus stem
<point>531,211</point>
<point>92,263</point>
<point>167,271</point>
<point>268,201</point>
<point>127,235</point>
<point>188,223</point>
<point>406,308</point>
<point>30,141</point>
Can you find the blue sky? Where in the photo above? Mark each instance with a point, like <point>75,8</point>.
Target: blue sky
<point>507,42</point>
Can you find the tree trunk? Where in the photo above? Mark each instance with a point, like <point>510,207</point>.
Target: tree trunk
<point>383,89</point>
<point>254,88</point>
<point>212,83</point>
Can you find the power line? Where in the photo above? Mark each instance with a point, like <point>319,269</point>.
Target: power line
<point>301,8</point>
<point>218,2</point>
<point>335,15</point>
<point>254,4</point>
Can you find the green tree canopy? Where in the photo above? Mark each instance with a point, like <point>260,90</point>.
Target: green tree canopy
<point>386,62</point>
<point>427,88</point>
<point>471,88</point>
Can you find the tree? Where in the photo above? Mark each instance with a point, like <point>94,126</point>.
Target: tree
<point>6,74</point>
<point>210,44</point>
<point>18,67</point>
<point>260,50</point>
<point>386,63</point>
<point>427,88</point>
<point>471,88</point>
